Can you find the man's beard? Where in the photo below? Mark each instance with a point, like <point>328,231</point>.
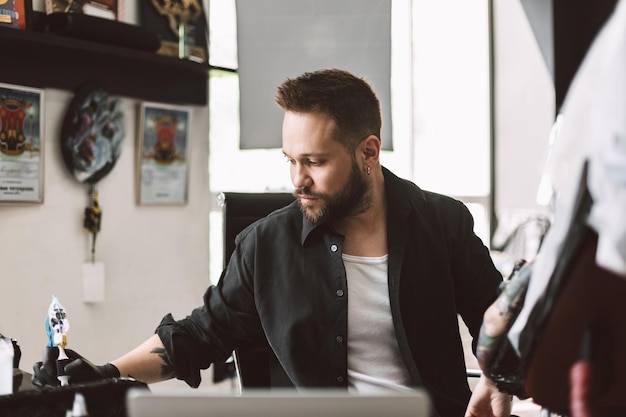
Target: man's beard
<point>354,198</point>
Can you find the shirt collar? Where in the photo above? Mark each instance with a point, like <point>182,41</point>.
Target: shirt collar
<point>398,203</point>
<point>402,195</point>
<point>308,227</point>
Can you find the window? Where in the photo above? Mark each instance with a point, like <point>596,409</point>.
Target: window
<point>440,109</point>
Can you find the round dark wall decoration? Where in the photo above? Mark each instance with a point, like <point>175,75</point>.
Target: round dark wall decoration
<point>92,134</point>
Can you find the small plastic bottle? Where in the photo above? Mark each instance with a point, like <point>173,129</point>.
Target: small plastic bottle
<point>6,365</point>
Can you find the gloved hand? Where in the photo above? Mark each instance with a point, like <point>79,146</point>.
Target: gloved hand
<point>79,369</point>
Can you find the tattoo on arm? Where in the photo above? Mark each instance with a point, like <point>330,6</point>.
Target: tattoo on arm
<point>486,348</point>
<point>167,369</point>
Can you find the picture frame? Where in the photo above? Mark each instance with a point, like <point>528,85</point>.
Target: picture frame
<point>21,144</point>
<point>105,9</point>
<point>14,13</point>
<point>163,154</point>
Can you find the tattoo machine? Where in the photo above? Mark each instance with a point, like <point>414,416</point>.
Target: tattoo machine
<point>57,326</point>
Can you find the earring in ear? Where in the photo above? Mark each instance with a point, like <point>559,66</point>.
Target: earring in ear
<point>369,170</point>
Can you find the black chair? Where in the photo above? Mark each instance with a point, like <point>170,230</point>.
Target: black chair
<point>254,367</point>
<point>242,209</point>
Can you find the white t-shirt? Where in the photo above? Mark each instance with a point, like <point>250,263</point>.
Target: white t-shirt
<point>374,360</point>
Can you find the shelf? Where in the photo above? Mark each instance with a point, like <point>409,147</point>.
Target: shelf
<point>45,60</point>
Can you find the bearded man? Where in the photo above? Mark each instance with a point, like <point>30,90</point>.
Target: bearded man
<point>356,285</point>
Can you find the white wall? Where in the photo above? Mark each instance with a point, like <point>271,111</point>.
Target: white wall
<point>524,109</point>
<point>156,258</point>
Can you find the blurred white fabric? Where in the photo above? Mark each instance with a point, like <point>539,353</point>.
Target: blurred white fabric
<point>593,129</point>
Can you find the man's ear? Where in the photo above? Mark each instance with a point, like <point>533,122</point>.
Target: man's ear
<point>371,150</point>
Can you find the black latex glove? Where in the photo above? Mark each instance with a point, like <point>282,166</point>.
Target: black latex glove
<point>79,369</point>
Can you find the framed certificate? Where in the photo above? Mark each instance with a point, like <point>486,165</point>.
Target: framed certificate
<point>163,149</point>
<point>21,144</point>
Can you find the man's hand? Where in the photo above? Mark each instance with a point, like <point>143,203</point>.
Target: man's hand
<point>488,401</point>
<point>79,369</point>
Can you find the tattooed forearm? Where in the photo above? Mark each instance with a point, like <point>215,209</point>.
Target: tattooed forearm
<point>498,318</point>
<point>167,369</point>
<point>486,347</point>
<point>512,298</point>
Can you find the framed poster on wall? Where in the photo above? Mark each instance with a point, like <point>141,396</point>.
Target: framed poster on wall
<point>163,154</point>
<point>21,144</point>
<point>13,13</point>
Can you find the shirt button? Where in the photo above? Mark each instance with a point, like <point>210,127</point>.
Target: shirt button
<point>340,379</point>
<point>339,339</point>
<point>339,293</point>
<point>334,248</point>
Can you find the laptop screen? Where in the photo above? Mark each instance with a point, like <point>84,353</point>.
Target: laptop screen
<point>143,403</point>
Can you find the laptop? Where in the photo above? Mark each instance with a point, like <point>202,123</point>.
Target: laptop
<point>143,403</point>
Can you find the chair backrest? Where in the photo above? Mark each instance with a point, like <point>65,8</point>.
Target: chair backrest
<point>242,209</point>
<point>256,367</point>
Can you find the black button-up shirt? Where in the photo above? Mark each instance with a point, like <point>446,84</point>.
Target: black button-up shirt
<point>285,286</point>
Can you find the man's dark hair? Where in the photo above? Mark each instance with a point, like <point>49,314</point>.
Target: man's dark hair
<point>347,99</point>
